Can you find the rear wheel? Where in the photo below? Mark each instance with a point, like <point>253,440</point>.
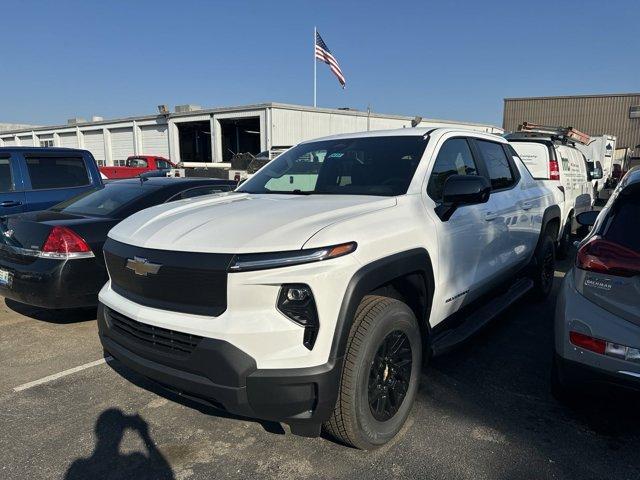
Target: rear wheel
<point>380,374</point>
<point>545,268</point>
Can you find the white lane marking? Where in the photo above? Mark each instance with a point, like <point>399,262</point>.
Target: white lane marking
<point>64,373</point>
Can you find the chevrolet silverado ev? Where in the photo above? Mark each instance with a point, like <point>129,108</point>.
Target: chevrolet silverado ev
<point>314,293</point>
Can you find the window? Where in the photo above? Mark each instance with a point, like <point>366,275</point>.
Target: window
<point>136,163</point>
<point>624,228</point>
<point>351,166</point>
<point>57,172</point>
<point>46,143</point>
<point>105,201</point>
<point>454,158</point>
<point>498,165</point>
<point>199,191</point>
<point>6,178</point>
<point>162,165</point>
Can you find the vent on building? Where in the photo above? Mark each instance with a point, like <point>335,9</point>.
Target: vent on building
<point>187,108</point>
<point>76,120</point>
<point>634,112</point>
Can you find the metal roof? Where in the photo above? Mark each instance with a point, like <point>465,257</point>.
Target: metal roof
<point>598,95</point>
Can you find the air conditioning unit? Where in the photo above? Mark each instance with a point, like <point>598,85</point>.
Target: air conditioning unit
<point>187,108</point>
<point>634,112</point>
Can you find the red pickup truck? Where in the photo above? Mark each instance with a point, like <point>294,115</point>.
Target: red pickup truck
<point>149,165</point>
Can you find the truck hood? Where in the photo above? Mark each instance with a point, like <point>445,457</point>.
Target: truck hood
<point>241,223</point>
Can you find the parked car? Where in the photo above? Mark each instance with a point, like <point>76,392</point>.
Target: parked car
<point>597,322</point>
<point>312,294</point>
<point>37,178</point>
<point>53,258</point>
<point>137,165</point>
<point>558,162</point>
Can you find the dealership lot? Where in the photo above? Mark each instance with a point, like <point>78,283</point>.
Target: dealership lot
<point>484,411</point>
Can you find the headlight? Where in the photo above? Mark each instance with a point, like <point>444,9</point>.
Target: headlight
<point>261,261</point>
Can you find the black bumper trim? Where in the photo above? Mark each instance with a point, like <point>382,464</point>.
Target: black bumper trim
<point>222,375</point>
<point>580,375</point>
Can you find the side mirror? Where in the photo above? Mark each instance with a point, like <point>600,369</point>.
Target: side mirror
<point>596,173</point>
<point>460,190</point>
<point>587,219</point>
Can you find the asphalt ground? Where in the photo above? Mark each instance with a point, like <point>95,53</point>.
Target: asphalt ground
<point>484,411</point>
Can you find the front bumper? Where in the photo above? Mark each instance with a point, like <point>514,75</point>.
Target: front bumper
<point>51,283</point>
<point>222,375</point>
<point>576,313</point>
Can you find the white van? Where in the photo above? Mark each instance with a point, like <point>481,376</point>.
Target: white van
<point>565,167</point>
<point>600,151</point>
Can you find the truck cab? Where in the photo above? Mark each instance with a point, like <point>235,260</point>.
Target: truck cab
<point>37,178</point>
<point>136,165</point>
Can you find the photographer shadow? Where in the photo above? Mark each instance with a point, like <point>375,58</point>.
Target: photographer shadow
<point>107,461</point>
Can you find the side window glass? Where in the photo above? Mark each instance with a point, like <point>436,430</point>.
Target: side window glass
<point>454,158</point>
<point>497,164</point>
<point>57,172</point>
<point>6,177</point>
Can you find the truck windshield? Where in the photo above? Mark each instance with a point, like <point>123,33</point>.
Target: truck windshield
<point>354,166</point>
<point>103,202</point>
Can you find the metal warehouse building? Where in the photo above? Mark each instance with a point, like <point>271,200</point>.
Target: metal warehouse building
<point>199,137</point>
<point>615,114</point>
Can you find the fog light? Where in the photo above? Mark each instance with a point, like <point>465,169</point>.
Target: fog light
<point>297,303</point>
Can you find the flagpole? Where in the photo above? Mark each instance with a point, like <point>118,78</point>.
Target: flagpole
<point>315,67</point>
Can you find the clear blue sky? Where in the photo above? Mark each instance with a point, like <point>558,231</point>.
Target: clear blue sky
<point>439,59</point>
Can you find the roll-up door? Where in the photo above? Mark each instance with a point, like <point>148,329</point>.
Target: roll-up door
<point>68,140</point>
<point>26,141</point>
<point>94,142</point>
<point>9,142</point>
<point>45,140</point>
<point>155,140</point>
<point>121,143</point>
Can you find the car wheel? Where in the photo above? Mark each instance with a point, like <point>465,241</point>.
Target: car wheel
<point>380,375</point>
<point>545,268</point>
<point>565,239</point>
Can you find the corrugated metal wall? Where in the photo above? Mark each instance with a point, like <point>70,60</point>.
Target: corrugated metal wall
<point>595,115</point>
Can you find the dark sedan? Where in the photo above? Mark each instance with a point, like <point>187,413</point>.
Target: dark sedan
<point>53,258</point>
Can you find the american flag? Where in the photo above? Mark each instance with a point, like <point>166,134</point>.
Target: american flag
<point>324,54</point>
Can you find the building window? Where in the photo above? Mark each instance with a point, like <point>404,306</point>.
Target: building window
<point>46,143</point>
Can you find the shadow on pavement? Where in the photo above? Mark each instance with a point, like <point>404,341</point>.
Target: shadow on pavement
<point>500,382</point>
<point>108,462</point>
<point>52,316</point>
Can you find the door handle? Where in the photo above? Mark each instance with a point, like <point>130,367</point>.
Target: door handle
<point>490,216</point>
<point>10,203</point>
<point>527,205</point>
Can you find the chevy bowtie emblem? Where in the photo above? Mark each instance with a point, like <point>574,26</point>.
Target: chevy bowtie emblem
<point>141,266</point>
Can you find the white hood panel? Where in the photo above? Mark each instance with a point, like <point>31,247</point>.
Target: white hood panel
<point>241,223</point>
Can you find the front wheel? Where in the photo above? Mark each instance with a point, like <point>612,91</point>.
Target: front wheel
<point>380,375</point>
<point>545,268</point>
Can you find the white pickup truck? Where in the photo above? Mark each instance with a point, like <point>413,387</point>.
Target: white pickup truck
<point>314,294</point>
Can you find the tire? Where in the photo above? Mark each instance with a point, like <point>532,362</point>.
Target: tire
<point>365,415</point>
<point>544,268</point>
<point>565,239</point>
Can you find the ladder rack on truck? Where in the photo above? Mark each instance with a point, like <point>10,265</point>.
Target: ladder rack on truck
<point>563,134</point>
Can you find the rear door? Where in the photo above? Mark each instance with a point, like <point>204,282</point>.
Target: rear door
<point>507,214</point>
<point>12,197</point>
<point>51,177</point>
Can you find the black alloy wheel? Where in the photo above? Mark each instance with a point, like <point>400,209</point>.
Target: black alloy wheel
<point>389,376</point>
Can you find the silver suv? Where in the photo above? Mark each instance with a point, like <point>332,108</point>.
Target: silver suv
<point>597,323</point>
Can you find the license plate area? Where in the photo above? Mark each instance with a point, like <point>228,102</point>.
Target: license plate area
<point>6,278</point>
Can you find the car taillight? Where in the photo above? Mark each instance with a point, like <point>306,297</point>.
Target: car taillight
<point>554,170</point>
<point>602,256</point>
<point>604,347</point>
<point>65,243</point>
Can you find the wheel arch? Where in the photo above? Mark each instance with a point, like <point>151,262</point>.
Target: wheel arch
<point>408,273</point>
<point>550,218</point>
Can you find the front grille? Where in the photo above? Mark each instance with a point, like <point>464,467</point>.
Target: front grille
<point>187,282</point>
<point>157,338</point>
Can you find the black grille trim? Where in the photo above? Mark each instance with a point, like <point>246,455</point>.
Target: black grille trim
<point>159,338</point>
<point>186,282</point>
